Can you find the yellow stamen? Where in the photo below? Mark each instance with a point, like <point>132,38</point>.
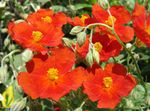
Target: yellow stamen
<point>107,81</point>
<point>37,35</point>
<point>148,30</point>
<point>98,46</point>
<point>47,19</point>
<point>83,18</point>
<point>52,74</point>
<point>110,21</point>
<point>139,43</point>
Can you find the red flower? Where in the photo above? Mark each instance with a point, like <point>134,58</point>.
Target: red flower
<point>50,77</point>
<point>47,16</point>
<point>109,85</point>
<point>35,38</point>
<point>120,17</point>
<point>106,46</point>
<point>141,24</point>
<point>80,21</point>
<point>42,29</point>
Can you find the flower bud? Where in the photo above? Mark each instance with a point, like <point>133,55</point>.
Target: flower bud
<point>128,45</point>
<point>11,47</point>
<point>89,58</point>
<point>103,3</point>
<point>81,37</point>
<point>6,42</point>
<point>75,30</point>
<point>67,42</point>
<point>96,55</point>
<point>27,55</point>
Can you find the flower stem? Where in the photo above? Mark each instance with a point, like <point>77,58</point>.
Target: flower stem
<point>8,55</point>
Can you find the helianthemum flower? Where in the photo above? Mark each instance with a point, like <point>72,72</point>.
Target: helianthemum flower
<point>47,16</point>
<point>79,21</point>
<point>51,77</point>
<point>119,16</point>
<point>141,24</point>
<point>108,86</point>
<point>42,29</point>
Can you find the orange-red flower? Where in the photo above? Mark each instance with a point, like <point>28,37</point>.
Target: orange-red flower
<point>106,46</point>
<point>80,21</point>
<point>47,16</point>
<point>120,17</point>
<point>108,86</point>
<point>141,24</point>
<point>35,38</point>
<point>51,77</point>
<point>42,29</point>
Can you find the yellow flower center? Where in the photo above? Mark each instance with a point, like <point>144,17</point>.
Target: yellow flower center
<point>52,74</point>
<point>37,35</point>
<point>107,81</point>
<point>83,18</point>
<point>98,46</point>
<point>148,29</point>
<point>47,19</point>
<point>110,21</point>
<point>139,43</point>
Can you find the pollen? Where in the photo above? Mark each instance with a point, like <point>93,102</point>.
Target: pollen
<point>110,21</point>
<point>83,18</point>
<point>37,35</point>
<point>47,19</point>
<point>53,74</point>
<point>98,46</point>
<point>107,81</point>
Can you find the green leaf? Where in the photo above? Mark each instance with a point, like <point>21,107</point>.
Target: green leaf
<point>18,105</point>
<point>4,75</point>
<point>81,6</point>
<point>19,64</point>
<point>58,8</point>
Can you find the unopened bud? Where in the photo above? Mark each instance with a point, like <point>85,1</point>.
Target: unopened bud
<point>27,55</point>
<point>81,37</point>
<point>89,58</point>
<point>67,42</point>
<point>75,30</point>
<point>96,55</point>
<point>6,42</point>
<point>103,3</point>
<point>128,45</point>
<point>11,47</point>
